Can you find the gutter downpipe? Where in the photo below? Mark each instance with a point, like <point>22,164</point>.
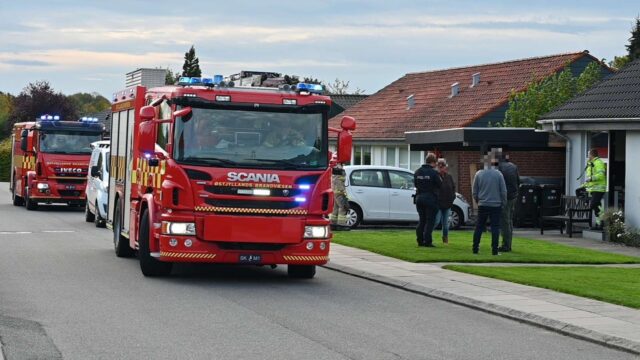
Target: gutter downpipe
<point>567,161</point>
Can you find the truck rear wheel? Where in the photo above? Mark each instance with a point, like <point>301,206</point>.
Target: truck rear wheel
<point>28,203</point>
<point>88,216</point>
<point>149,265</point>
<point>17,200</point>
<point>301,271</point>
<point>120,243</point>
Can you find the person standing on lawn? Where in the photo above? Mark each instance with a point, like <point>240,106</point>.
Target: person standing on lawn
<point>595,183</point>
<point>512,180</point>
<point>490,192</point>
<point>446,196</point>
<point>428,184</point>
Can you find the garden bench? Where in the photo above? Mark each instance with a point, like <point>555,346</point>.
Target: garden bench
<point>572,209</point>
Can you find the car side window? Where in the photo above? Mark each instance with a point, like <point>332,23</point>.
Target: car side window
<point>99,164</point>
<point>401,180</point>
<point>372,178</point>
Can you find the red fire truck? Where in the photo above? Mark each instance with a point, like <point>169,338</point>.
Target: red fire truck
<point>207,172</point>
<point>50,159</point>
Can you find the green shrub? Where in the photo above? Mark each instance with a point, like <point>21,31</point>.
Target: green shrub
<point>5,159</point>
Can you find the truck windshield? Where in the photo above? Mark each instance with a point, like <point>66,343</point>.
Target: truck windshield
<point>255,139</point>
<point>67,142</point>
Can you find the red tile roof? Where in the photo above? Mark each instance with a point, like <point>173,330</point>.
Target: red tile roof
<point>385,114</point>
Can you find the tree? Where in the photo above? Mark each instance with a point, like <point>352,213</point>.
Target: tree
<point>619,62</point>
<point>86,103</point>
<point>38,99</point>
<point>171,78</point>
<point>191,66</point>
<point>634,41</point>
<point>341,87</point>
<point>540,97</point>
<point>6,105</point>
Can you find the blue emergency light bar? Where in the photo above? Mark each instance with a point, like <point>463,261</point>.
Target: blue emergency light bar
<point>186,80</point>
<point>310,88</point>
<point>89,119</point>
<point>50,117</point>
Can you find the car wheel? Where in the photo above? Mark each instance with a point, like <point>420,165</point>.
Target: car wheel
<point>149,265</point>
<point>17,200</point>
<point>98,220</point>
<point>88,215</point>
<point>301,271</point>
<point>455,218</point>
<point>354,216</point>
<point>120,243</point>
<point>28,203</point>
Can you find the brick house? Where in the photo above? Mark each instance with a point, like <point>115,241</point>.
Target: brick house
<point>471,97</point>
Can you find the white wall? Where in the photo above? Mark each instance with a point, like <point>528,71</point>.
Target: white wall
<point>576,160</point>
<point>632,185</point>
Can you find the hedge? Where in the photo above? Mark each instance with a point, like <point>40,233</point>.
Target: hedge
<point>5,159</point>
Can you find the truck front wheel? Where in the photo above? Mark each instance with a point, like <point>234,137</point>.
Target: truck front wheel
<point>149,265</point>
<point>301,271</point>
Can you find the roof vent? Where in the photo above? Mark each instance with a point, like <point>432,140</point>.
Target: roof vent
<point>475,79</point>
<point>455,89</point>
<point>411,102</point>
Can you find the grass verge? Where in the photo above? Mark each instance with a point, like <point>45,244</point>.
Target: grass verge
<point>613,285</point>
<point>401,244</point>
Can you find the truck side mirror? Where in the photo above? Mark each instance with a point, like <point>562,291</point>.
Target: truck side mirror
<point>147,137</point>
<point>23,143</point>
<point>345,142</point>
<point>95,172</point>
<point>26,141</point>
<point>147,113</point>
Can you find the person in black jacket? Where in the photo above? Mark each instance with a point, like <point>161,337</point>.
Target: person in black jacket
<point>445,199</point>
<point>512,180</point>
<point>428,184</point>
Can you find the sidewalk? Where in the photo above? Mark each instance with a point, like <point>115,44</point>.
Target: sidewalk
<point>607,324</point>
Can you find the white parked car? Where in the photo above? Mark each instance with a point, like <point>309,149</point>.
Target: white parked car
<point>97,189</point>
<point>383,194</point>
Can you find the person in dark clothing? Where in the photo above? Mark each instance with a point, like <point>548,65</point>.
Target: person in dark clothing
<point>512,180</point>
<point>428,182</point>
<point>445,199</point>
<point>490,192</point>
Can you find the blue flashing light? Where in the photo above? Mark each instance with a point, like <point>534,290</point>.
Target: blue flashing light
<point>304,186</point>
<point>184,80</point>
<point>57,117</point>
<point>147,155</point>
<point>300,199</point>
<point>208,81</point>
<point>195,81</point>
<point>50,117</point>
<point>311,88</point>
<point>217,79</point>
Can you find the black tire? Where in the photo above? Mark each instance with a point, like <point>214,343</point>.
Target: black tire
<point>354,216</point>
<point>17,200</point>
<point>456,218</point>
<point>88,215</point>
<point>28,203</point>
<point>149,265</point>
<point>98,220</point>
<point>301,271</point>
<point>120,243</point>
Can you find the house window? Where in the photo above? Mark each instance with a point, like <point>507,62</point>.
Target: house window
<point>391,156</point>
<point>362,155</point>
<point>416,159</point>
<point>404,158</point>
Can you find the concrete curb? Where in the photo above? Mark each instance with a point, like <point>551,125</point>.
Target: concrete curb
<point>529,318</point>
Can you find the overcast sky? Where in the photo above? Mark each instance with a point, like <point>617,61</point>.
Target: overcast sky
<point>87,46</point>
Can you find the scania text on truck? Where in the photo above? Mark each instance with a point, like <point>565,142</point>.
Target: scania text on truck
<point>211,173</point>
<point>50,159</point>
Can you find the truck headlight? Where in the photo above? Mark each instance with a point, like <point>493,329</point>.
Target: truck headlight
<point>316,232</point>
<point>178,228</point>
<point>43,186</point>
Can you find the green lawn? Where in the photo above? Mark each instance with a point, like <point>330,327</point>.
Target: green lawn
<point>401,244</point>
<point>614,285</point>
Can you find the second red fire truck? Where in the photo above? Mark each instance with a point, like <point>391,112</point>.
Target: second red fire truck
<point>208,172</point>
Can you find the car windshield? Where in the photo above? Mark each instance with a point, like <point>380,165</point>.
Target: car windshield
<point>255,139</point>
<point>68,142</point>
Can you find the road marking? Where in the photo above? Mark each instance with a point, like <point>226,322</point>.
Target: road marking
<point>58,231</point>
<point>14,232</point>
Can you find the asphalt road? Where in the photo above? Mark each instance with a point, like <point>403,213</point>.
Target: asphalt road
<point>64,294</point>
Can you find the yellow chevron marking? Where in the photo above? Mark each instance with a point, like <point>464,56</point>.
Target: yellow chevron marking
<point>250,210</point>
<point>305,258</point>
<point>187,255</point>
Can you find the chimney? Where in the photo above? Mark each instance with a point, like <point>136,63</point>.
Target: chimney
<point>411,102</point>
<point>455,89</point>
<point>475,79</point>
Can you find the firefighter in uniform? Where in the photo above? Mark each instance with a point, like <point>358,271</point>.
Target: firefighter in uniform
<point>595,183</point>
<point>341,202</point>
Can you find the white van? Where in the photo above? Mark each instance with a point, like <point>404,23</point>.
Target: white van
<point>97,189</point>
